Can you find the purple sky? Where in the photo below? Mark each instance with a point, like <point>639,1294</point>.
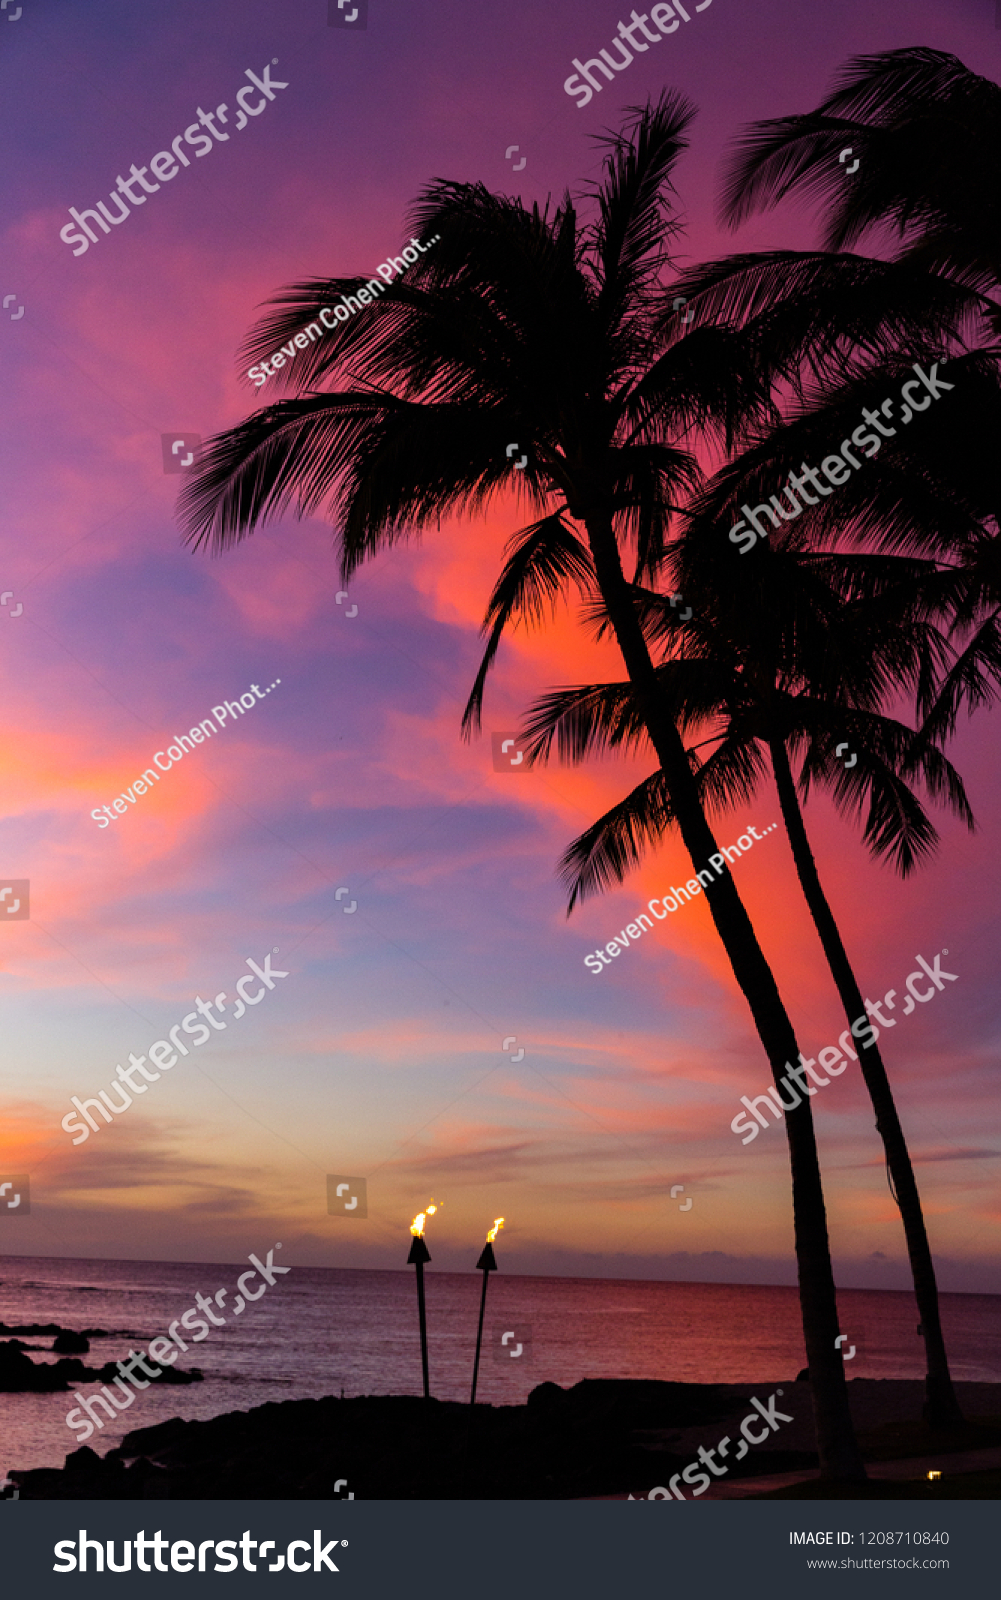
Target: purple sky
<point>381,1053</point>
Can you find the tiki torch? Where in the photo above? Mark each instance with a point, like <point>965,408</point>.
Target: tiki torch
<point>486,1264</point>
<point>418,1255</point>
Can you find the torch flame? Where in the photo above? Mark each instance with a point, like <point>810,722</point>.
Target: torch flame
<point>417,1226</point>
<point>495,1230</point>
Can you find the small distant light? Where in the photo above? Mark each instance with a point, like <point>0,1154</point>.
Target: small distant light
<point>933,1475</point>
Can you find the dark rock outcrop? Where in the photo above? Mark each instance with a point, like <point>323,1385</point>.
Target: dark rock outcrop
<point>83,1333</point>
<point>69,1343</point>
<point>600,1437</point>
<point>20,1375</point>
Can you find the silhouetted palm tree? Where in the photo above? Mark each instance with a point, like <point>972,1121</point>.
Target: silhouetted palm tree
<point>781,663</point>
<point>926,132</point>
<point>520,326</point>
<point>925,513</point>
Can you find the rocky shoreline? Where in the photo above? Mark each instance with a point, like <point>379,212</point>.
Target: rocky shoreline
<point>593,1439</point>
<point>603,1437</point>
<point>20,1375</point>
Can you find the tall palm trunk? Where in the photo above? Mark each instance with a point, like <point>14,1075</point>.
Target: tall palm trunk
<point>836,1445</point>
<point>941,1406</point>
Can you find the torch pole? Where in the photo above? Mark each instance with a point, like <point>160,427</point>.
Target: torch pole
<point>486,1265</point>
<point>424,1329</point>
<point>479,1337</point>
<point>418,1255</point>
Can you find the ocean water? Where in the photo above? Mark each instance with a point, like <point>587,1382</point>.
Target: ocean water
<point>318,1331</point>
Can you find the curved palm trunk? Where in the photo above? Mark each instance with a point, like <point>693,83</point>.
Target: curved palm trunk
<point>837,1448</point>
<point>941,1405</point>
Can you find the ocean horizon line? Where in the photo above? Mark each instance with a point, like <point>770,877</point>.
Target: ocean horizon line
<point>510,1275</point>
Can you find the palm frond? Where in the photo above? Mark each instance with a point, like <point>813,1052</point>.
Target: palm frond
<point>919,122</point>
<point>629,238</point>
<point>973,680</point>
<point>601,857</point>
<point>584,721</point>
<point>542,558</point>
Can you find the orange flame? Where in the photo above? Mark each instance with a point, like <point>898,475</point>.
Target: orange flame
<point>495,1230</point>
<point>417,1226</point>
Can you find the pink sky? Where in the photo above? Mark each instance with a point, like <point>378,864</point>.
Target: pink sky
<point>381,1053</point>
